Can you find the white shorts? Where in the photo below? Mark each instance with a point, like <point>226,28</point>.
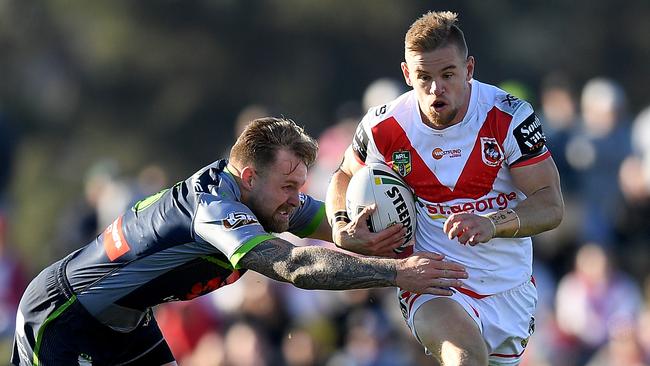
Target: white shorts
<point>506,319</point>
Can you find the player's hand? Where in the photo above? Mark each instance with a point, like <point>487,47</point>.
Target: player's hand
<point>469,228</point>
<point>355,236</point>
<point>427,273</point>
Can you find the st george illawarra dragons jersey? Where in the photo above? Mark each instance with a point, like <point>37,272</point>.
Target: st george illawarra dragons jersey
<point>178,244</point>
<point>462,168</point>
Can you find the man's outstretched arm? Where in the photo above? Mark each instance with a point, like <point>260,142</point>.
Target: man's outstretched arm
<point>321,268</point>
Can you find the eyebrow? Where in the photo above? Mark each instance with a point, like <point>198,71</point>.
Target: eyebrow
<point>421,71</point>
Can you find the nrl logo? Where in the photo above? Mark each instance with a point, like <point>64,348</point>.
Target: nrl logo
<point>402,162</point>
<point>491,151</point>
<point>235,220</point>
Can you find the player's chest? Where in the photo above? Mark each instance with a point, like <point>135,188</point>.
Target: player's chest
<point>447,156</point>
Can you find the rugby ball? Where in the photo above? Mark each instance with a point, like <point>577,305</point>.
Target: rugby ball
<point>377,183</point>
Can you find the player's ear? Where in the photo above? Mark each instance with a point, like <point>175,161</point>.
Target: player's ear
<point>405,72</point>
<point>470,68</point>
<point>247,177</point>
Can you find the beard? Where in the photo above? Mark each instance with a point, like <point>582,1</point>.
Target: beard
<point>272,224</point>
<point>438,119</point>
<point>269,222</point>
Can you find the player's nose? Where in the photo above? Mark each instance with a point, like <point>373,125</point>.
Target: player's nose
<point>294,200</point>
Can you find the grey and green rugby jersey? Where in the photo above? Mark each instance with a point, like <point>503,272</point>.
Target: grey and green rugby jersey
<point>178,244</point>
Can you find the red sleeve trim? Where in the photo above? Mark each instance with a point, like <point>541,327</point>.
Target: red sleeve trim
<point>532,161</point>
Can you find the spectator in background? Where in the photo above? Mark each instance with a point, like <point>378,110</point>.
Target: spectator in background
<point>634,180</point>
<point>559,116</point>
<point>246,345</point>
<point>12,284</point>
<point>560,119</point>
<point>381,91</point>
<point>7,145</point>
<point>594,300</point>
<point>622,349</point>
<point>596,152</point>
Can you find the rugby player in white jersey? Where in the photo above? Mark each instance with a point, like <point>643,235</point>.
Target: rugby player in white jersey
<point>476,159</point>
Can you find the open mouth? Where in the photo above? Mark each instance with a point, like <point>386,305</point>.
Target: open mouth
<point>439,106</point>
<point>284,213</point>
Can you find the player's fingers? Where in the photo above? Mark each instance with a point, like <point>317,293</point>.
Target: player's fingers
<point>449,223</point>
<point>456,229</point>
<point>366,212</point>
<point>477,238</point>
<point>452,274</point>
<point>388,245</point>
<point>436,257</point>
<point>451,267</point>
<point>466,234</point>
<point>391,231</point>
<point>397,238</point>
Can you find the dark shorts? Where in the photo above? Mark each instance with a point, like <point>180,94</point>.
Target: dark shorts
<point>53,328</point>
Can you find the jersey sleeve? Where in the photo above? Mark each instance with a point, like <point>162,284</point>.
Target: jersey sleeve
<point>363,144</point>
<point>228,225</point>
<point>525,142</point>
<point>305,219</point>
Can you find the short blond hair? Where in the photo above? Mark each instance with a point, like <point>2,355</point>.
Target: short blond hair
<point>260,141</point>
<point>434,30</point>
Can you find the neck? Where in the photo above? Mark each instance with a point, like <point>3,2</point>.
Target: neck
<point>236,172</point>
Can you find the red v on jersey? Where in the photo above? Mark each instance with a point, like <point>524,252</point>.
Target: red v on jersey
<point>478,175</point>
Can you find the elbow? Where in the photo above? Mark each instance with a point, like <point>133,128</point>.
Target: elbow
<point>556,214</point>
<point>305,281</point>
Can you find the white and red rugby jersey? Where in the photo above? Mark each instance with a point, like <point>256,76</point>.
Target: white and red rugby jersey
<point>462,168</point>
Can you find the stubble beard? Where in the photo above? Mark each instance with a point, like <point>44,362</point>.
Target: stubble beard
<point>268,222</point>
<point>440,120</point>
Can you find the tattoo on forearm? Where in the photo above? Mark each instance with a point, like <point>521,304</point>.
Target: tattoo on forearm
<point>318,268</point>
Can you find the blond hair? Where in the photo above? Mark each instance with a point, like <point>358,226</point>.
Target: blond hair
<point>263,137</point>
<point>434,30</point>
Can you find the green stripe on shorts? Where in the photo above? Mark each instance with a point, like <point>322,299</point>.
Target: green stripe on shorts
<point>54,315</point>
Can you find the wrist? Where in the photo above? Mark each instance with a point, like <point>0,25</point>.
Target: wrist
<point>340,217</point>
<point>338,222</point>
<point>506,223</point>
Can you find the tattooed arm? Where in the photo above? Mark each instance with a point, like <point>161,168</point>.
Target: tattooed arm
<point>320,268</point>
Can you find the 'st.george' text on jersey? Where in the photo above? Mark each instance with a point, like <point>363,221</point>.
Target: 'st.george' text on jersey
<point>462,168</point>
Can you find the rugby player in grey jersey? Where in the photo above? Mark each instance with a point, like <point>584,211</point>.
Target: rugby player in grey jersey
<point>94,305</point>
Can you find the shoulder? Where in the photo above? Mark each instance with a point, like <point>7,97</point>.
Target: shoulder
<point>507,103</point>
<point>393,109</point>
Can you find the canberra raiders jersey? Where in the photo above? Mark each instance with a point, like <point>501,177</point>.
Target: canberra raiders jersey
<point>178,244</point>
<point>462,168</point>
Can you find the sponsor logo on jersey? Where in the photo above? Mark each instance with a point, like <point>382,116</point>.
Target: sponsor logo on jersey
<point>115,245</point>
<point>529,135</point>
<point>439,153</point>
<point>491,151</point>
<point>235,220</point>
<point>500,202</point>
<point>402,162</point>
<point>402,211</point>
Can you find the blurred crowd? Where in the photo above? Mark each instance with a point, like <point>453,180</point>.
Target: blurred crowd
<point>592,272</point>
